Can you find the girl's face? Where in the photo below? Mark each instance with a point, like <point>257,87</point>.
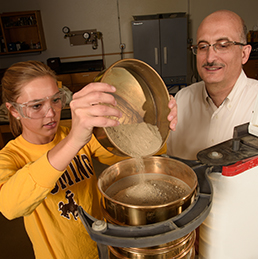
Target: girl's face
<point>40,130</point>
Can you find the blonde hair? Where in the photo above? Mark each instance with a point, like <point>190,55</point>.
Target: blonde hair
<point>15,77</point>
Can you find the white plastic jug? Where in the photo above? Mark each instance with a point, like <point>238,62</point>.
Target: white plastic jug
<point>231,229</point>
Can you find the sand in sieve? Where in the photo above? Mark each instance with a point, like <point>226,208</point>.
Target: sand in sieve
<point>144,188</point>
<point>157,189</point>
<point>136,140</point>
<point>139,140</point>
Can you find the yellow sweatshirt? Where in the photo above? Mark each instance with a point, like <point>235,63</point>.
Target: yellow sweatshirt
<point>48,198</point>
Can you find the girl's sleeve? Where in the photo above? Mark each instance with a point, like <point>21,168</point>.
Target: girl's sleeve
<point>22,190</point>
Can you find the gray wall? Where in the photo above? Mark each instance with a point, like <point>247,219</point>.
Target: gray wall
<point>103,16</point>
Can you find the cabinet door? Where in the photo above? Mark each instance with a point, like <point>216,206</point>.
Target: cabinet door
<point>146,44</point>
<point>173,41</point>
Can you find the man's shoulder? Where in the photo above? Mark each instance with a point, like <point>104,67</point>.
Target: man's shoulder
<point>191,90</point>
<point>252,82</point>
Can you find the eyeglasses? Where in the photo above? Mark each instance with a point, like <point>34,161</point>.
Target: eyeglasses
<point>219,47</point>
<point>37,109</point>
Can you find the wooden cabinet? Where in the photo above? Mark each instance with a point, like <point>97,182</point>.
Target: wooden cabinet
<point>65,79</point>
<point>21,32</point>
<point>76,81</point>
<point>251,68</point>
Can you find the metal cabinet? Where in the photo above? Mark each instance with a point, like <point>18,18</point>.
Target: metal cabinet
<point>162,43</point>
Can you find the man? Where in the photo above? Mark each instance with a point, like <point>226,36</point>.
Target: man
<point>209,110</point>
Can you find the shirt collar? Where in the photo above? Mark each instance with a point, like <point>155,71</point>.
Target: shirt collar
<point>239,85</point>
<point>207,100</point>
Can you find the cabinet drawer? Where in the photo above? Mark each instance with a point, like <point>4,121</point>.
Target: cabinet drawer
<point>83,78</point>
<point>76,87</point>
<point>65,79</point>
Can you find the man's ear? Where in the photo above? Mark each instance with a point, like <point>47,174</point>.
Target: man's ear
<point>12,110</point>
<point>246,53</point>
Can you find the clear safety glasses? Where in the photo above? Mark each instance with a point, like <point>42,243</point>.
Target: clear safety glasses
<point>37,109</point>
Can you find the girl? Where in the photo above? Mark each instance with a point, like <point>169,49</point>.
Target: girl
<point>47,171</point>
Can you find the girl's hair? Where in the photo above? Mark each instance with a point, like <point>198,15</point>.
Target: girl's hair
<point>15,77</point>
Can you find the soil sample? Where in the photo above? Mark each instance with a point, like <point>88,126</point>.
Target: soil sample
<point>136,140</point>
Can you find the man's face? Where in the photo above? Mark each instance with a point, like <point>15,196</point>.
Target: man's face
<point>220,69</point>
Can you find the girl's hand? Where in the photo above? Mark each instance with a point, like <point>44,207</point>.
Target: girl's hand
<point>93,106</point>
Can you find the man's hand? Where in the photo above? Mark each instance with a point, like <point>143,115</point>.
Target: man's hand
<point>172,117</point>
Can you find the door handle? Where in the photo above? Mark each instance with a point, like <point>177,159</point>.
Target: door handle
<point>165,55</point>
<point>156,56</point>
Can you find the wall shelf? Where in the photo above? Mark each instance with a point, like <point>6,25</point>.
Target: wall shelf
<point>21,32</point>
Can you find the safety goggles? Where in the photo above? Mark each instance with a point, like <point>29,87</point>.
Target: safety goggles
<point>37,109</point>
